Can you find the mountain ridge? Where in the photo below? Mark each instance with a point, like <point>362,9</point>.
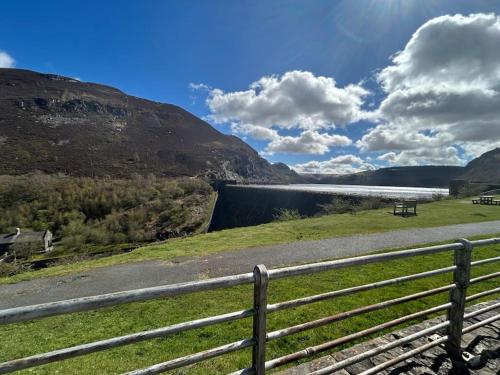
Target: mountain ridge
<point>57,124</point>
<point>485,168</point>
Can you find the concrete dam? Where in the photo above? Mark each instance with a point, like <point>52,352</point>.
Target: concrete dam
<point>247,205</point>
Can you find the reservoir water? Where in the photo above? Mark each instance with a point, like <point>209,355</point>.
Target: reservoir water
<point>394,192</point>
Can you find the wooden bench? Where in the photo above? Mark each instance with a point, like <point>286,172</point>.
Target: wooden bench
<point>405,207</point>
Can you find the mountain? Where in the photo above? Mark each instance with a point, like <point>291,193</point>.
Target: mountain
<point>485,168</point>
<point>424,176</point>
<point>57,124</point>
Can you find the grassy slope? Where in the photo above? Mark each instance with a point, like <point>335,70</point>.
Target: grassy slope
<point>57,332</point>
<point>444,212</point>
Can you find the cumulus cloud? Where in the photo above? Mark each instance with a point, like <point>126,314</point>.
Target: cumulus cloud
<point>429,156</point>
<point>443,91</point>
<point>6,61</point>
<point>308,142</point>
<point>297,99</point>
<point>256,132</point>
<point>294,100</point>
<point>343,164</point>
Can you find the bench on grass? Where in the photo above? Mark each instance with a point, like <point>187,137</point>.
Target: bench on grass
<point>405,207</point>
<point>486,199</point>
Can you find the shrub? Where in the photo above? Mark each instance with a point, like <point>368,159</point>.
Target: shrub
<point>284,214</point>
<point>338,205</point>
<point>342,205</point>
<point>83,211</point>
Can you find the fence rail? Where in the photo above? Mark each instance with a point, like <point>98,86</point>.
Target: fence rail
<point>260,279</point>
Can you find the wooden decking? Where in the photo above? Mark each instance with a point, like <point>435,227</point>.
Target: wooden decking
<point>483,344</point>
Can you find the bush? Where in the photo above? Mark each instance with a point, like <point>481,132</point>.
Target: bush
<point>8,269</point>
<point>342,205</point>
<point>11,268</point>
<point>284,214</point>
<point>372,203</point>
<point>82,211</point>
<point>338,205</point>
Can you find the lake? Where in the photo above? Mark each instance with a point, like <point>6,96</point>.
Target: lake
<point>396,192</point>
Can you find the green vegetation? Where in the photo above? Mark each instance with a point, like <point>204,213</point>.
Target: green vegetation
<point>284,214</point>
<point>445,212</point>
<point>89,214</point>
<point>56,332</point>
<point>343,204</point>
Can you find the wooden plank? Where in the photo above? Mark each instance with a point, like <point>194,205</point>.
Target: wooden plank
<point>362,260</point>
<point>19,314</point>
<point>58,355</point>
<point>343,292</point>
<point>260,318</point>
<point>455,314</point>
<point>193,358</point>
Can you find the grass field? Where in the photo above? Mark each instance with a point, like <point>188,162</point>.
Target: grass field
<point>445,212</point>
<point>28,338</point>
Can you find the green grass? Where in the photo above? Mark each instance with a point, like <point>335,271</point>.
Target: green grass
<point>52,333</point>
<point>445,212</point>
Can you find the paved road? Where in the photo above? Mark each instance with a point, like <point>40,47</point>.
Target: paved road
<point>152,273</point>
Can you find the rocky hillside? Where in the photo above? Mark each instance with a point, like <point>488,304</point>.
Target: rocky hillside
<point>56,124</point>
<point>485,168</point>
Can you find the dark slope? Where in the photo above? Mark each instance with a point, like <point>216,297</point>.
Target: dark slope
<point>485,168</point>
<point>56,124</point>
<point>425,176</point>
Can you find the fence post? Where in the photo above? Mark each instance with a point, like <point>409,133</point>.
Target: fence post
<point>461,279</point>
<point>261,280</point>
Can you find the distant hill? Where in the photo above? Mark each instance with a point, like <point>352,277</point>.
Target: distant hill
<point>425,176</point>
<point>56,124</point>
<point>485,168</point>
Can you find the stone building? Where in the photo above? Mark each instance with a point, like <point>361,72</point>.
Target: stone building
<point>41,240</point>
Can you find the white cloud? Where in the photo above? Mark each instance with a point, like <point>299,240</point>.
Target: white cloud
<point>199,86</point>
<point>297,99</point>
<point>443,92</point>
<point>6,61</point>
<point>343,164</point>
<point>429,156</point>
<point>256,132</point>
<point>308,142</point>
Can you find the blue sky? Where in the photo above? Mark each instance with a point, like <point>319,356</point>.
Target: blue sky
<point>156,49</point>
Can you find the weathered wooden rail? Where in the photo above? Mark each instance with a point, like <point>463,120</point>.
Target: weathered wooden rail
<point>260,278</point>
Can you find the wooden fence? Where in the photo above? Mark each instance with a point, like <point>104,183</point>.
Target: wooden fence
<point>260,278</point>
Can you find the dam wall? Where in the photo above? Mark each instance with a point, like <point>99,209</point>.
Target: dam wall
<point>241,206</point>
